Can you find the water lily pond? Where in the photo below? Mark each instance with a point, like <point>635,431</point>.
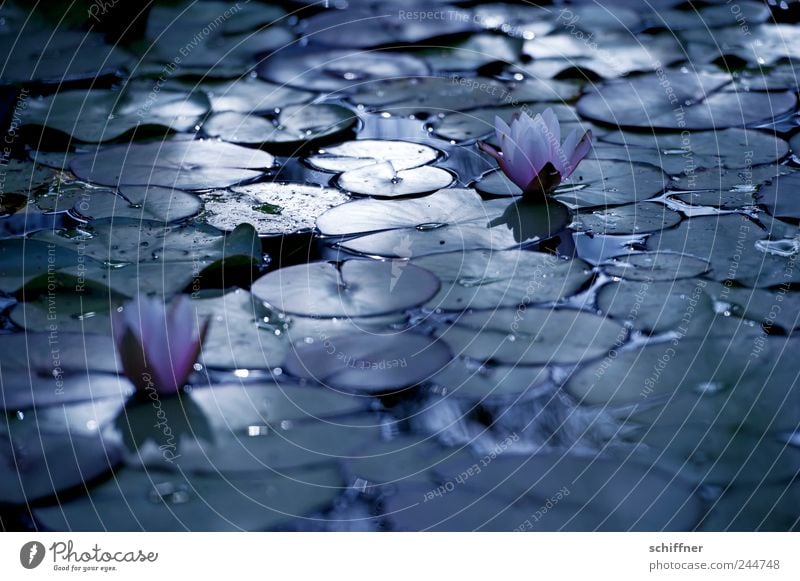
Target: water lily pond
<point>322,266</point>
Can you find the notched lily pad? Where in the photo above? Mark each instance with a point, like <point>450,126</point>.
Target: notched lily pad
<point>294,126</point>
<point>366,362</point>
<point>189,165</point>
<point>485,279</point>
<point>382,180</point>
<point>353,155</point>
<point>531,336</point>
<point>353,288</point>
<point>628,219</point>
<point>142,202</point>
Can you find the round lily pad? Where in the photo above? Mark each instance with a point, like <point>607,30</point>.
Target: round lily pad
<point>139,500</point>
<point>447,220</point>
<point>272,208</point>
<point>382,180</point>
<point>462,379</point>
<point>353,288</point>
<point>730,243</point>
<point>594,183</point>
<point>531,336</point>
<point>656,266</point>
<point>190,165</point>
<point>59,56</point>
<point>268,447</point>
<point>364,27</point>
<point>674,99</point>
<point>24,389</point>
<point>46,464</point>
<point>337,70</point>
<point>657,307</point>
<point>485,279</point>
<point>368,362</point>
<point>250,95</point>
<point>146,203</point>
<point>295,126</point>
<point>103,115</point>
<point>780,198</point>
<point>628,219</point>
<point>353,155</point>
<point>476,123</point>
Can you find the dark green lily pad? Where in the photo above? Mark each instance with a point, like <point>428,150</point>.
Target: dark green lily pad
<point>484,279</point>
<point>366,362</point>
<point>21,177</point>
<point>272,208</point>
<point>780,197</point>
<point>730,243</point>
<point>629,219</point>
<point>353,288</point>
<point>295,126</point>
<point>656,266</point>
<point>531,336</point>
<point>139,500</point>
<point>689,101</point>
<point>190,165</point>
<point>766,507</point>
<point>461,379</point>
<point>762,46</point>
<point>657,307</point>
<point>473,53</point>
<point>238,336</point>
<point>60,56</point>
<point>22,260</point>
<point>353,155</point>
<point>142,202</point>
<point>607,54</point>
<point>365,27</point>
<point>337,70</point>
<point>403,460</point>
<point>772,308</point>
<point>382,180</point>
<point>45,464</point>
<point>248,95</point>
<point>99,115</point>
<point>594,183</point>
<point>267,447</point>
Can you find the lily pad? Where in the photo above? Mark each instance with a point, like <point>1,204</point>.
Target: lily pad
<point>730,243</point>
<point>531,336</point>
<point>353,155</point>
<point>237,336</point>
<point>353,288</point>
<point>22,176</point>
<point>605,53</point>
<point>484,279</point>
<point>657,307</point>
<point>46,464</point>
<point>381,180</point>
<point>656,266</point>
<point>295,126</point>
<point>447,220</point>
<point>142,202</point>
<point>368,362</point>
<point>462,379</point>
<point>594,183</point>
<point>364,27</point>
<point>339,69</point>
<point>673,99</point>
<point>780,197</point>
<point>54,356</point>
<point>22,260</point>
<point>249,95</point>
<point>100,115</point>
<point>61,56</point>
<point>189,165</point>
<point>269,448</point>
<point>629,219</point>
<point>139,500</point>
<point>272,208</point>
<point>766,507</point>
<point>479,50</point>
<point>24,389</point>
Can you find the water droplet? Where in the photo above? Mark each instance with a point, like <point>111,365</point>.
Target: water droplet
<point>169,493</point>
<point>709,387</point>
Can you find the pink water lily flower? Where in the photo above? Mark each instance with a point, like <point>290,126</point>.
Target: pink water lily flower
<point>532,155</point>
<point>158,347</point>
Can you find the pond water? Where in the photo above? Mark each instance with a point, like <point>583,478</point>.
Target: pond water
<point>397,341</point>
